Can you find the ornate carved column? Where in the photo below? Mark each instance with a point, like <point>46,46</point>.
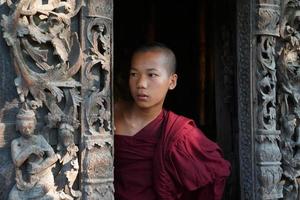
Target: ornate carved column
<point>260,155</point>
<point>96,121</point>
<point>267,152</point>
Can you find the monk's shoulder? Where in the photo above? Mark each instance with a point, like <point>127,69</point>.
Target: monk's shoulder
<point>185,131</point>
<point>180,125</point>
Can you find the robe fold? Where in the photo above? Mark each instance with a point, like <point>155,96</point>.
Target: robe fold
<point>169,159</point>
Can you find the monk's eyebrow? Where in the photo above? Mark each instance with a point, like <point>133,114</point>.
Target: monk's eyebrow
<point>148,69</point>
<point>133,69</point>
<point>152,69</point>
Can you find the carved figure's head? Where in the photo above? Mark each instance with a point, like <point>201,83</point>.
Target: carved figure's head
<point>66,134</point>
<point>26,122</point>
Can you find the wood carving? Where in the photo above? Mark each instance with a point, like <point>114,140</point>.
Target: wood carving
<point>98,102</point>
<point>47,58</point>
<point>34,159</point>
<point>68,161</point>
<point>97,137</point>
<point>46,53</point>
<point>289,96</point>
<point>267,152</point>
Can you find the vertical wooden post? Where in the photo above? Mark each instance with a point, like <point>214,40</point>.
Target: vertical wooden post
<point>96,111</point>
<point>267,152</point>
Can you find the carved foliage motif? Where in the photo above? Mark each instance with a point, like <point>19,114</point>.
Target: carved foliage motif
<point>97,162</point>
<point>268,155</point>
<point>47,57</point>
<point>46,53</point>
<point>266,85</point>
<point>98,67</point>
<point>289,96</point>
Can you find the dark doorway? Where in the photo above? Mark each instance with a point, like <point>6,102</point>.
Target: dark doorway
<point>202,35</point>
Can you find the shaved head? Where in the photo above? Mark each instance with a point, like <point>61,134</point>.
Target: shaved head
<point>164,50</point>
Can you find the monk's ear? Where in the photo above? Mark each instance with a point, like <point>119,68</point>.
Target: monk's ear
<point>173,81</point>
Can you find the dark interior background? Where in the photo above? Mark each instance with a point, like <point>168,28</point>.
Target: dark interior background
<point>202,35</point>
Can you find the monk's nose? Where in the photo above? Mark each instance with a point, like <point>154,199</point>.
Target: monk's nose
<point>142,82</point>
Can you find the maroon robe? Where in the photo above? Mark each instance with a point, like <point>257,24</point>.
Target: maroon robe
<point>169,159</point>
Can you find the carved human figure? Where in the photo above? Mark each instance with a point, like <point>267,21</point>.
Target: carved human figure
<point>67,155</point>
<point>33,158</point>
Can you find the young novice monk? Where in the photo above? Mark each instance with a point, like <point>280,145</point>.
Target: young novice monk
<point>160,155</point>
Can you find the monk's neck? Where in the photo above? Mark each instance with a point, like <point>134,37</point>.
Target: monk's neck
<point>145,114</point>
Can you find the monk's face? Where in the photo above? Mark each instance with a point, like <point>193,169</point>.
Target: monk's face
<point>150,79</point>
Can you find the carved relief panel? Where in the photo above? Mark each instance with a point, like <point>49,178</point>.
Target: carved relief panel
<point>60,144</point>
<point>288,96</point>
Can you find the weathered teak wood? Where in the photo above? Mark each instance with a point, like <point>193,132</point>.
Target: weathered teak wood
<point>96,115</point>
<point>61,53</point>
<point>260,156</point>
<point>268,92</point>
<point>288,64</point>
<point>267,152</point>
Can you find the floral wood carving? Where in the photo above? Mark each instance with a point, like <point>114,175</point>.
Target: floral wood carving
<point>46,53</point>
<point>267,152</point>
<point>98,102</point>
<point>289,96</point>
<point>97,137</point>
<point>47,58</point>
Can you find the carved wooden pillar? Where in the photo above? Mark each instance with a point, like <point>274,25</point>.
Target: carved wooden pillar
<point>267,152</point>
<point>260,156</point>
<point>96,112</point>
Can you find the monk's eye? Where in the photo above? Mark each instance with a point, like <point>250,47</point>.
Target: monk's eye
<point>153,75</point>
<point>133,74</point>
